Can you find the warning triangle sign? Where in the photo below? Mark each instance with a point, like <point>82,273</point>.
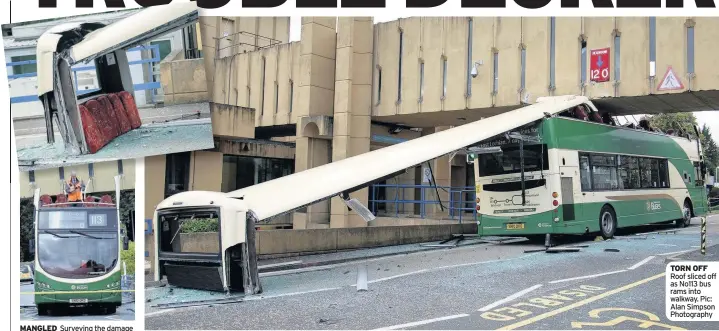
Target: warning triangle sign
<point>670,81</point>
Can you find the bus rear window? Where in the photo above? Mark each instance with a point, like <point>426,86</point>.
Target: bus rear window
<point>507,161</point>
<point>190,232</point>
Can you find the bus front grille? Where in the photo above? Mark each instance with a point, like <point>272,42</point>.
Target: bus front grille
<point>194,276</point>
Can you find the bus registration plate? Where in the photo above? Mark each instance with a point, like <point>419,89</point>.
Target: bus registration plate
<point>515,226</point>
<point>78,300</point>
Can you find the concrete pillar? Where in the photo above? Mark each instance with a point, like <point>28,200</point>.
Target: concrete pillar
<point>315,93</point>
<point>154,194</point>
<point>352,105</point>
<point>209,30</point>
<point>441,171</point>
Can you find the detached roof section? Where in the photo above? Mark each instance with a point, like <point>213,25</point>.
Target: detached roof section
<point>86,41</point>
<point>136,29</point>
<point>289,193</point>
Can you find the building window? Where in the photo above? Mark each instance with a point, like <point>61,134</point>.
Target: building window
<point>277,97</point>
<point>495,60</point>
<point>399,76</point>
<point>61,172</point>
<point>120,170</point>
<point>444,77</point>
<point>91,169</point>
<point>523,60</point>
<point>617,53</point>
<point>26,68</point>
<point>469,57</point>
<point>690,49</point>
<point>652,45</point>
<point>31,174</point>
<point>262,87</point>
<point>552,46</point>
<point>177,173</point>
<point>583,61</point>
<point>239,172</point>
<point>421,81</point>
<point>292,93</point>
<point>379,84</point>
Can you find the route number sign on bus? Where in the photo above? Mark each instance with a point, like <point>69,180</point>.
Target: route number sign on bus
<point>599,65</point>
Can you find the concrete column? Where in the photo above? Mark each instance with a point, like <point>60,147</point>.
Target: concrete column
<point>209,30</point>
<point>315,92</point>
<point>441,171</point>
<point>352,105</point>
<point>154,194</point>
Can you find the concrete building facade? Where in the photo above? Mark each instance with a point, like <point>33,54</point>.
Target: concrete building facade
<point>98,178</point>
<point>350,86</point>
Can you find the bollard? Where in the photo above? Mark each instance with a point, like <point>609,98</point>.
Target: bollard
<point>704,236</point>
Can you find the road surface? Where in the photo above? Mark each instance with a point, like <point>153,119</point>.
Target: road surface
<point>485,286</point>
<point>28,312</point>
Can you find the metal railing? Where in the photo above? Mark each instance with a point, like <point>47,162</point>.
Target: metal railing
<point>154,85</point>
<point>460,204</point>
<point>713,205</point>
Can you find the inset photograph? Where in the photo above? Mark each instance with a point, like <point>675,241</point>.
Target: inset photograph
<point>107,86</point>
<point>77,245</point>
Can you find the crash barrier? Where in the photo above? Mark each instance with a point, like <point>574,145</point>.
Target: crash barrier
<point>128,286</point>
<point>153,86</point>
<point>107,117</point>
<point>414,199</point>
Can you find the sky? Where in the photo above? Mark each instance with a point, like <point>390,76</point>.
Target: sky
<point>710,118</point>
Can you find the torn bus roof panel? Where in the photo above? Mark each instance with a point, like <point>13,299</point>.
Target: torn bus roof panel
<point>146,24</point>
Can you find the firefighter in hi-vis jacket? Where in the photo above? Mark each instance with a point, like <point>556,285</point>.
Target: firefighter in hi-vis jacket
<point>74,188</point>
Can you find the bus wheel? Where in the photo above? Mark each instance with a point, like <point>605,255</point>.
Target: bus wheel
<point>687,216</point>
<point>42,310</point>
<point>607,222</point>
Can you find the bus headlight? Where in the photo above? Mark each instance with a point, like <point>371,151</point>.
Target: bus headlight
<point>556,220</point>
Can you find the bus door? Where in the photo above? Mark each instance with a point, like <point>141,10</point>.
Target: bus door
<point>570,193</point>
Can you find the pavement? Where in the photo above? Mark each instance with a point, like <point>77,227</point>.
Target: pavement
<point>28,312</point>
<point>614,284</point>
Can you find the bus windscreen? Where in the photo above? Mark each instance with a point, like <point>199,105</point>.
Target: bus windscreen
<point>77,243</point>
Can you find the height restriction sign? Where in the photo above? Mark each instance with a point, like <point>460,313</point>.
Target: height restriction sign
<point>599,65</point>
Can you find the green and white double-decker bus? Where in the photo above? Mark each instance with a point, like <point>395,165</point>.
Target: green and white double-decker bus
<point>77,255</point>
<point>577,173</point>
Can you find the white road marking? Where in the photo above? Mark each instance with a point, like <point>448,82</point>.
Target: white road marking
<point>510,298</point>
<point>155,313</point>
<point>666,245</point>
<point>585,277</point>
<point>640,263</point>
<point>696,246</point>
<point>397,276</point>
<point>409,325</point>
<point>677,252</point>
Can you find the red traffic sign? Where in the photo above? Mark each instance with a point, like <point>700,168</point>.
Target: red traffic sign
<point>599,65</point>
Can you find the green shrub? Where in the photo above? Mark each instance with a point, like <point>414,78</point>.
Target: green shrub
<point>200,225</point>
<point>128,257</point>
